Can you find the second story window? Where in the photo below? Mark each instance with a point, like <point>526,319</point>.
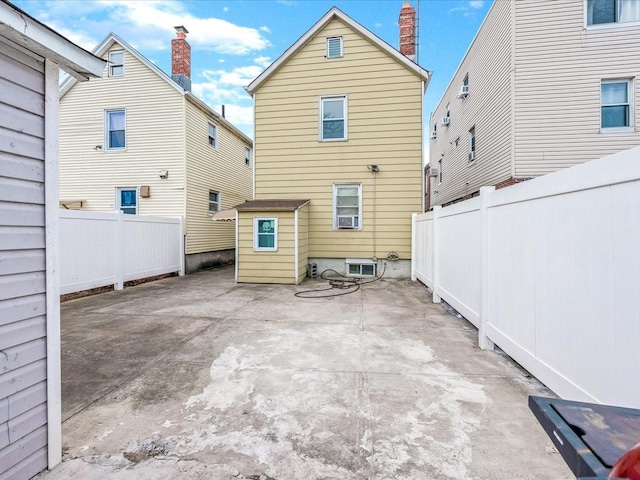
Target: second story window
<point>333,118</point>
<point>472,144</point>
<point>616,105</point>
<point>213,136</point>
<point>115,129</point>
<point>439,172</point>
<point>247,156</point>
<point>214,201</point>
<point>334,47</point>
<point>116,63</point>
<point>612,11</point>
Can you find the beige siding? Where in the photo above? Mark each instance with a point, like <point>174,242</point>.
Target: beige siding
<point>266,267</point>
<point>154,137</point>
<point>23,316</point>
<point>560,65</point>
<point>303,242</point>
<point>384,128</point>
<point>222,170</point>
<point>487,108</point>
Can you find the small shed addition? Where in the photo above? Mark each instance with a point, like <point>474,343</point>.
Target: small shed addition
<point>272,238</point>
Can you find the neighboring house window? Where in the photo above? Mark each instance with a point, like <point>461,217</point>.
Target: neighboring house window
<point>214,201</point>
<point>347,205</point>
<point>612,11</point>
<point>116,63</point>
<point>334,47</point>
<point>616,104</point>
<point>127,200</point>
<point>439,171</point>
<point>472,144</point>
<point>213,135</point>
<point>333,116</point>
<point>265,234</point>
<point>247,156</point>
<point>465,82</point>
<point>115,129</point>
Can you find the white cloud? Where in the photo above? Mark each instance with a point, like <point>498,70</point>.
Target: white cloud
<point>265,29</point>
<point>476,3</point>
<point>264,62</point>
<point>147,24</point>
<point>225,9</point>
<point>377,25</point>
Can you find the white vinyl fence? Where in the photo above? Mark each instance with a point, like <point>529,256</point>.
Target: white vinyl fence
<point>548,270</point>
<point>110,248</point>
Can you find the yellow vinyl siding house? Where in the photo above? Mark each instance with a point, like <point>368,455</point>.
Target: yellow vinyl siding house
<point>534,94</point>
<point>165,151</point>
<point>338,122</point>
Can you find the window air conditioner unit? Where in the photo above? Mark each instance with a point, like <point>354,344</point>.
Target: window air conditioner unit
<point>433,135</point>
<point>434,172</point>
<point>445,121</point>
<point>472,156</point>
<point>347,221</point>
<point>464,91</point>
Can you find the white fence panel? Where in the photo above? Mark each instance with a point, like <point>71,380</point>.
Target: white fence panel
<point>565,278</point>
<point>108,248</point>
<point>88,258</point>
<point>549,270</point>
<point>150,246</point>
<point>459,257</point>
<point>422,257</point>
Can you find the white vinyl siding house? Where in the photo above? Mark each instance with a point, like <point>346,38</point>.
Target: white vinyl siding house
<point>141,129</point>
<point>30,377</point>
<point>538,73</point>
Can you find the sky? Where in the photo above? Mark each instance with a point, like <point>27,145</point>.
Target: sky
<point>233,41</point>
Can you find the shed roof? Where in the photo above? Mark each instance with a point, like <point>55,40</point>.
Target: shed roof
<point>270,205</point>
<point>335,12</point>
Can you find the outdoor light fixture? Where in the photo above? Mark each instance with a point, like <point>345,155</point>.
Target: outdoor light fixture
<point>164,173</point>
<point>97,147</point>
<point>373,168</point>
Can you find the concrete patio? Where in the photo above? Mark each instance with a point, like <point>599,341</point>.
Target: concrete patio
<point>197,377</point>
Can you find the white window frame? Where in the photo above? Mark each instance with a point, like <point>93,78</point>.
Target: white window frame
<point>107,114</point>
<point>359,262</point>
<point>630,100</point>
<point>341,41</point>
<point>472,144</point>
<point>324,98</point>
<point>336,186</point>
<point>247,156</point>
<point>217,203</point>
<point>119,204</point>
<point>113,65</point>
<point>596,26</point>
<point>211,127</point>
<point>257,248</point>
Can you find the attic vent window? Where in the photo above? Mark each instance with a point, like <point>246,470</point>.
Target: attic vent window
<point>334,47</point>
<point>116,63</point>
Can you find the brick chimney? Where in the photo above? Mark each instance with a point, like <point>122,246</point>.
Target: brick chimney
<point>181,59</point>
<point>407,23</point>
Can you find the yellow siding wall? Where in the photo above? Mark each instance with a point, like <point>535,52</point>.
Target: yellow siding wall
<point>222,170</point>
<point>560,65</point>
<point>154,138</point>
<point>303,242</point>
<point>384,128</point>
<point>266,267</point>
